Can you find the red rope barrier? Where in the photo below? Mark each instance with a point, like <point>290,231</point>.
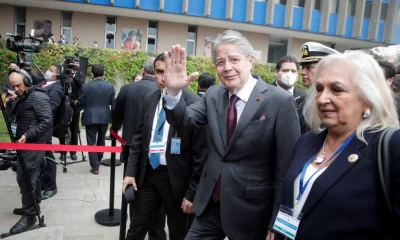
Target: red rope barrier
<point>115,135</point>
<point>58,147</point>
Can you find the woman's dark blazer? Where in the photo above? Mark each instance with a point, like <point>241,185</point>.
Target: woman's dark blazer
<point>345,202</point>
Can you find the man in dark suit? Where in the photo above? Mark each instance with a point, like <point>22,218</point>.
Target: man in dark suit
<point>54,90</point>
<point>286,73</point>
<point>126,112</point>
<point>205,81</point>
<point>253,129</point>
<point>97,97</point>
<point>62,40</point>
<point>164,165</point>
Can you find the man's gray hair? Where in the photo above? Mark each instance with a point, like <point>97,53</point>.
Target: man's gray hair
<point>233,37</point>
<point>368,78</point>
<point>148,66</point>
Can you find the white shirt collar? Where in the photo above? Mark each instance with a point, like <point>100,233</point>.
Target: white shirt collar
<point>290,89</point>
<point>244,93</point>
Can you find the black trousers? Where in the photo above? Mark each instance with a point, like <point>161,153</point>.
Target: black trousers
<point>157,191</point>
<point>95,136</point>
<point>156,230</point>
<point>74,127</point>
<point>33,160</point>
<point>49,170</point>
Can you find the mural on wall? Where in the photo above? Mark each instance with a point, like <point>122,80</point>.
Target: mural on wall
<point>207,45</point>
<point>131,39</point>
<point>42,28</point>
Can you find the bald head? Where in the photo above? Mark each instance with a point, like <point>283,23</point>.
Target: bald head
<point>17,82</point>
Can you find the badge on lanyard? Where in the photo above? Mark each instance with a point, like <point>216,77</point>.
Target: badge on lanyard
<point>285,223</point>
<point>14,129</point>
<point>176,144</point>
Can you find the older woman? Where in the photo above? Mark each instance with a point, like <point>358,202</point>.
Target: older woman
<point>332,189</point>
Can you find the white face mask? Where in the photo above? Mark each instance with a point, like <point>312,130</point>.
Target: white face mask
<point>48,75</point>
<point>95,45</point>
<point>289,79</point>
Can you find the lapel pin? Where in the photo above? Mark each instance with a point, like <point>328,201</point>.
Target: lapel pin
<point>258,99</point>
<point>353,158</point>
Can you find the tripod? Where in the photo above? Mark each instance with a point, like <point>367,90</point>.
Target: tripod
<point>83,156</point>
<point>26,175</point>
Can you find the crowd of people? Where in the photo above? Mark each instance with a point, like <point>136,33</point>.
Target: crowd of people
<point>242,159</point>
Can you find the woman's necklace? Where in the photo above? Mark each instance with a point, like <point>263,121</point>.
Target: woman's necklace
<point>321,157</point>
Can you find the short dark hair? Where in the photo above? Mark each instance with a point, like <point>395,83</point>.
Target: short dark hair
<point>206,80</point>
<point>98,70</point>
<point>160,58</point>
<point>76,38</point>
<point>285,59</point>
<point>390,70</point>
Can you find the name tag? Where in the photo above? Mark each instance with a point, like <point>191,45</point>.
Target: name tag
<point>285,223</point>
<point>14,129</point>
<point>176,145</point>
<point>156,147</point>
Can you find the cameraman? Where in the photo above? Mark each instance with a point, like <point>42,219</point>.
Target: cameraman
<point>76,87</point>
<point>52,87</point>
<point>32,118</point>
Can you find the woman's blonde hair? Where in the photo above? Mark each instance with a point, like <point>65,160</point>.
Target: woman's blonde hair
<point>370,81</point>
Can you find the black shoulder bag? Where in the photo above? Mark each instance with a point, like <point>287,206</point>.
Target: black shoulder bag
<point>383,165</point>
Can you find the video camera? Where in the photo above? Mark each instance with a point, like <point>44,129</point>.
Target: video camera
<point>8,160</point>
<point>69,65</point>
<point>26,50</point>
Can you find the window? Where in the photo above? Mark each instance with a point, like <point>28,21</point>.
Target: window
<point>283,2</point>
<point>191,40</point>
<point>111,27</point>
<point>299,3</point>
<point>384,11</point>
<point>334,7</point>
<point>317,5</point>
<point>20,20</point>
<point>352,8</point>
<point>368,10</point>
<point>66,25</point>
<point>152,37</point>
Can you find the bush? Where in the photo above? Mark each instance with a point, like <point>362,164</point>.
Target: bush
<point>118,63</point>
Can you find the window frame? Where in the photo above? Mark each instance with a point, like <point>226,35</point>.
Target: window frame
<point>16,23</point>
<point>110,32</point>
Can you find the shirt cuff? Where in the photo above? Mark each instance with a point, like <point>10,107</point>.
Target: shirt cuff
<point>170,102</point>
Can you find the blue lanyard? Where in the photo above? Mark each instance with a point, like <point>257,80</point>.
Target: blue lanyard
<point>302,186</point>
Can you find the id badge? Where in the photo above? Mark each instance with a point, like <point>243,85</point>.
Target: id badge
<point>176,145</point>
<point>285,223</point>
<point>157,147</point>
<point>14,129</point>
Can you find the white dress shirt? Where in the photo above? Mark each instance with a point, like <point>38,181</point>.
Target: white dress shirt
<point>243,95</point>
<point>290,89</point>
<point>163,160</point>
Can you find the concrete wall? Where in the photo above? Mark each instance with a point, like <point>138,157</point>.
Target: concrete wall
<point>124,22</point>
<point>202,32</point>
<point>6,19</point>
<point>259,42</point>
<point>170,34</point>
<point>89,28</point>
<point>54,16</point>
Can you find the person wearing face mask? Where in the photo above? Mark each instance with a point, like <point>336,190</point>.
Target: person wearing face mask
<point>286,73</point>
<point>53,88</point>
<point>10,93</point>
<point>95,44</point>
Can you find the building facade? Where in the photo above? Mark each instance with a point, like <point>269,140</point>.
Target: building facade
<point>274,27</point>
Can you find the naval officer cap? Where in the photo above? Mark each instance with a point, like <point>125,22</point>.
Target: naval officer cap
<point>312,52</point>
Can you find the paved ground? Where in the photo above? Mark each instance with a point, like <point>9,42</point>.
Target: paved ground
<point>70,214</point>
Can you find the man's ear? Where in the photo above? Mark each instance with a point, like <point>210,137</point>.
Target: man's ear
<point>390,81</point>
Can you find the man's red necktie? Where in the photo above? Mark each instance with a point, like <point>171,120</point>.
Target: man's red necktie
<point>43,84</point>
<point>231,125</point>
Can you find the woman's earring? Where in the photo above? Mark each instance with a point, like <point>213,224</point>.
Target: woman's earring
<point>367,113</point>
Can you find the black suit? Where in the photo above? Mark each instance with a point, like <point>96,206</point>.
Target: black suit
<point>126,113</point>
<point>128,105</point>
<point>298,93</point>
<point>167,187</point>
<point>49,172</point>
<point>97,96</point>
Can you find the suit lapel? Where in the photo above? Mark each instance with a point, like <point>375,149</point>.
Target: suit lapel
<point>223,115</point>
<point>256,99</point>
<point>152,109</point>
<point>333,174</point>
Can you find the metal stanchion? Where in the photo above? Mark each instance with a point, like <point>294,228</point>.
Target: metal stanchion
<point>110,216</point>
<point>107,161</point>
<point>124,204</point>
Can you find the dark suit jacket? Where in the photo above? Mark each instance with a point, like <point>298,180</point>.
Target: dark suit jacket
<point>184,170</point>
<point>60,42</point>
<point>128,105</point>
<point>298,93</point>
<point>55,93</point>
<point>254,163</point>
<point>346,198</point>
<point>97,96</point>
